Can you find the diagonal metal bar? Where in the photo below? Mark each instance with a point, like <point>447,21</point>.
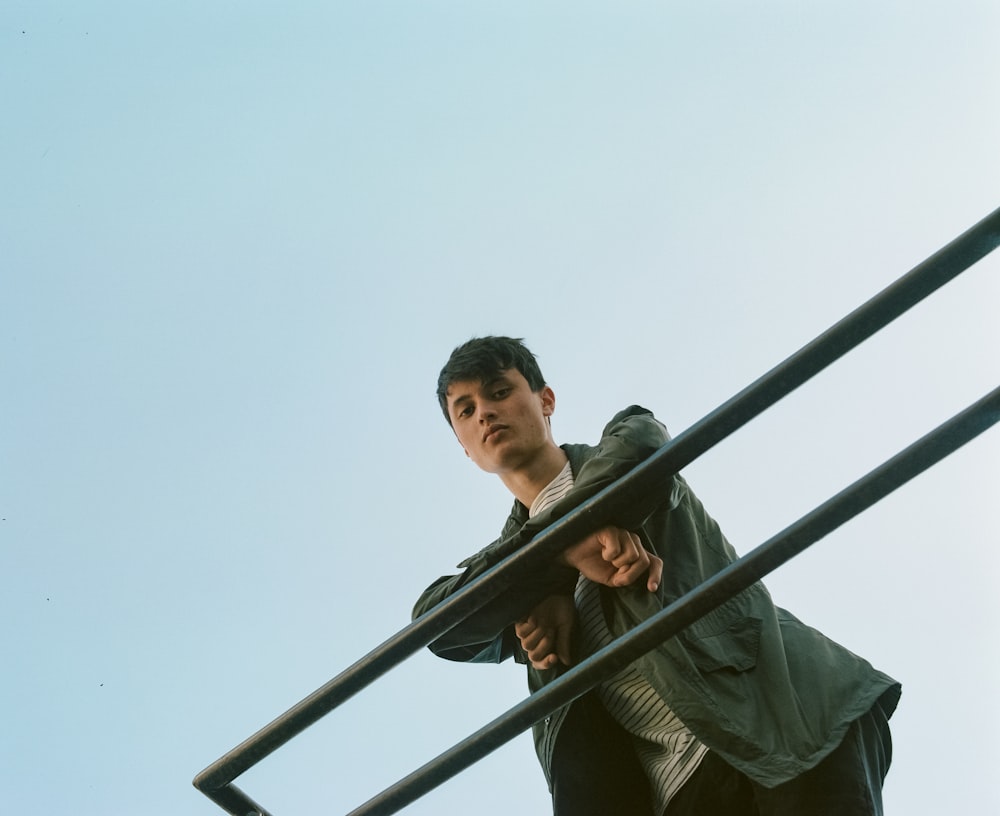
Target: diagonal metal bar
<point>232,800</point>
<point>878,312</point>
<point>739,575</point>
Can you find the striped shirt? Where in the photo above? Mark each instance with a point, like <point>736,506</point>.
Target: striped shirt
<point>668,752</point>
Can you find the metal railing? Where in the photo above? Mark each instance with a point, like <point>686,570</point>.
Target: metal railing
<point>216,781</point>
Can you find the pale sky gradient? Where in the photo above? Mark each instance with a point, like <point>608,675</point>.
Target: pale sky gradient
<point>237,242</point>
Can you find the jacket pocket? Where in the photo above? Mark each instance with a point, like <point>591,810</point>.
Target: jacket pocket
<point>734,647</point>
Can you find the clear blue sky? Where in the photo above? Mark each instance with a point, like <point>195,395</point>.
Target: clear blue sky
<point>237,242</point>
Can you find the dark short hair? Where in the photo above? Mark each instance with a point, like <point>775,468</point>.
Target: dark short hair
<point>483,358</point>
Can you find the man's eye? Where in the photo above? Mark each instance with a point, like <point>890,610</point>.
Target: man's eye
<point>465,411</point>
<point>501,393</point>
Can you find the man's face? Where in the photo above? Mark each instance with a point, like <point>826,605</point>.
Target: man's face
<point>502,424</point>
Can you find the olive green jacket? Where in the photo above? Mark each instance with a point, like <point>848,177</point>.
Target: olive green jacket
<point>766,692</point>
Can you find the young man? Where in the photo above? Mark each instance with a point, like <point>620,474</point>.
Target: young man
<point>748,711</point>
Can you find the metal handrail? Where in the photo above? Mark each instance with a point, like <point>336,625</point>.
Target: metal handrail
<point>216,780</point>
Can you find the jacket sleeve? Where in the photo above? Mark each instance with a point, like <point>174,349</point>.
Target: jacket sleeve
<point>632,436</point>
<point>487,635</point>
<point>452,645</point>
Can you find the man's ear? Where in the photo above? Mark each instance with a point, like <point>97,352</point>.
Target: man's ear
<point>548,397</point>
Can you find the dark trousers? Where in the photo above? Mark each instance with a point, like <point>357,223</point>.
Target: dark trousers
<point>848,782</point>
<point>595,773</point>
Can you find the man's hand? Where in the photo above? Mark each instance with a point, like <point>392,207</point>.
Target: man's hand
<point>547,631</point>
<point>616,558</point>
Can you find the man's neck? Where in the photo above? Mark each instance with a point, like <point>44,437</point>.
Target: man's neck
<point>527,482</point>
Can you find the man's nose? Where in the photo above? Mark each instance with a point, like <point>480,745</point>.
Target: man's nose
<point>487,412</point>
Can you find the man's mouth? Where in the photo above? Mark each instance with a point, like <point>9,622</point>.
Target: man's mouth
<point>493,429</point>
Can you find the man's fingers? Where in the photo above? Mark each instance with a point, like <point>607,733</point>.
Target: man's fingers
<point>614,557</point>
<point>537,644</point>
<point>546,662</point>
<point>629,543</point>
<point>629,574</point>
<point>629,549</point>
<point>610,543</point>
<point>534,641</point>
<point>655,573</point>
<point>633,560</point>
<point>545,634</point>
<point>542,654</point>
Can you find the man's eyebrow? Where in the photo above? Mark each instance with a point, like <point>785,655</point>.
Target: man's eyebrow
<point>460,398</point>
<point>485,384</point>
